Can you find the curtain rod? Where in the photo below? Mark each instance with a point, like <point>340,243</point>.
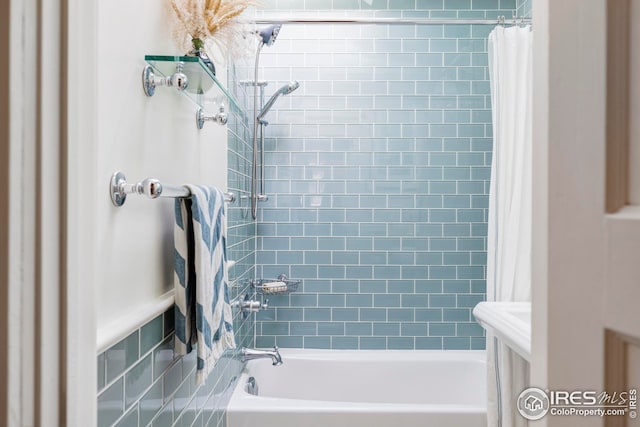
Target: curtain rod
<point>425,21</point>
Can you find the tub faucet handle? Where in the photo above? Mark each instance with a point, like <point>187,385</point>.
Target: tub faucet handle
<point>277,359</point>
<point>249,305</point>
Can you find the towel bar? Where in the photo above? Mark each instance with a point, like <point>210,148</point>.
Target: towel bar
<point>152,188</point>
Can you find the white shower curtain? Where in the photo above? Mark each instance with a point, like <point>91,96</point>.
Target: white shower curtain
<point>509,227</point>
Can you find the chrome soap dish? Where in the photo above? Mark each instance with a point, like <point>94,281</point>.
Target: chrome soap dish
<point>281,285</point>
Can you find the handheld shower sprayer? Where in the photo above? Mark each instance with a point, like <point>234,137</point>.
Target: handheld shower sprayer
<point>284,90</point>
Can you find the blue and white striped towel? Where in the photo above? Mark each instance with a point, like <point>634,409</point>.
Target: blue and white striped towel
<point>202,310</point>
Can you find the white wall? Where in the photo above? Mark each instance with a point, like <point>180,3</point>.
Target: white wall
<point>143,137</point>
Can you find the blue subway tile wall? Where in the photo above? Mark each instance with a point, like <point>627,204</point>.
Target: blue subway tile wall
<point>157,388</point>
<point>141,382</point>
<point>524,8</point>
<point>378,171</point>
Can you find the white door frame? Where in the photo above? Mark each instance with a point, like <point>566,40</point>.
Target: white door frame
<point>569,118</point>
<point>31,121</point>
<point>81,119</point>
<point>47,139</point>
<point>570,247</point>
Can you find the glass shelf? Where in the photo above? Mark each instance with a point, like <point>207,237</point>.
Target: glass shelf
<point>203,88</point>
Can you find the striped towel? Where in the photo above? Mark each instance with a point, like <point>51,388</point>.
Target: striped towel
<point>202,310</point>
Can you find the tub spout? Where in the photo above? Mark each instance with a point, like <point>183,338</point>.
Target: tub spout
<point>247,354</point>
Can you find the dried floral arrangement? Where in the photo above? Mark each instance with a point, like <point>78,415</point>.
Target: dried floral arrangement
<point>211,21</point>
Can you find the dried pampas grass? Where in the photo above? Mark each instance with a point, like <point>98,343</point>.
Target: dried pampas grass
<point>211,21</point>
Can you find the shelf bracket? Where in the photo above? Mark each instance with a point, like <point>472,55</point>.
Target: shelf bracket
<point>220,117</point>
<point>150,81</point>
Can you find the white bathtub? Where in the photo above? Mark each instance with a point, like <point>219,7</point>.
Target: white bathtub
<point>343,388</point>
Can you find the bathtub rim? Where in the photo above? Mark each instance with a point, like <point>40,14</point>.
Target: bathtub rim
<point>379,355</point>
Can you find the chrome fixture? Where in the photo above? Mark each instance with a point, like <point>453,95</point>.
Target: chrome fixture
<point>220,117</point>
<point>281,285</point>
<point>150,81</point>
<point>259,194</point>
<point>152,188</point>
<point>268,34</point>
<point>500,20</point>
<point>248,305</point>
<point>284,90</point>
<point>253,306</point>
<point>251,386</point>
<point>247,354</point>
<point>267,37</point>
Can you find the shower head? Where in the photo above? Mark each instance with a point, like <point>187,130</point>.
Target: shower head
<point>289,87</point>
<point>268,34</point>
<point>284,90</point>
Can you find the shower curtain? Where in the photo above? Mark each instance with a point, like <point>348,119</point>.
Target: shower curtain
<point>510,195</point>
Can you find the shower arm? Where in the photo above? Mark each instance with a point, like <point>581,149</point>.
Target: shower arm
<point>254,166</point>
